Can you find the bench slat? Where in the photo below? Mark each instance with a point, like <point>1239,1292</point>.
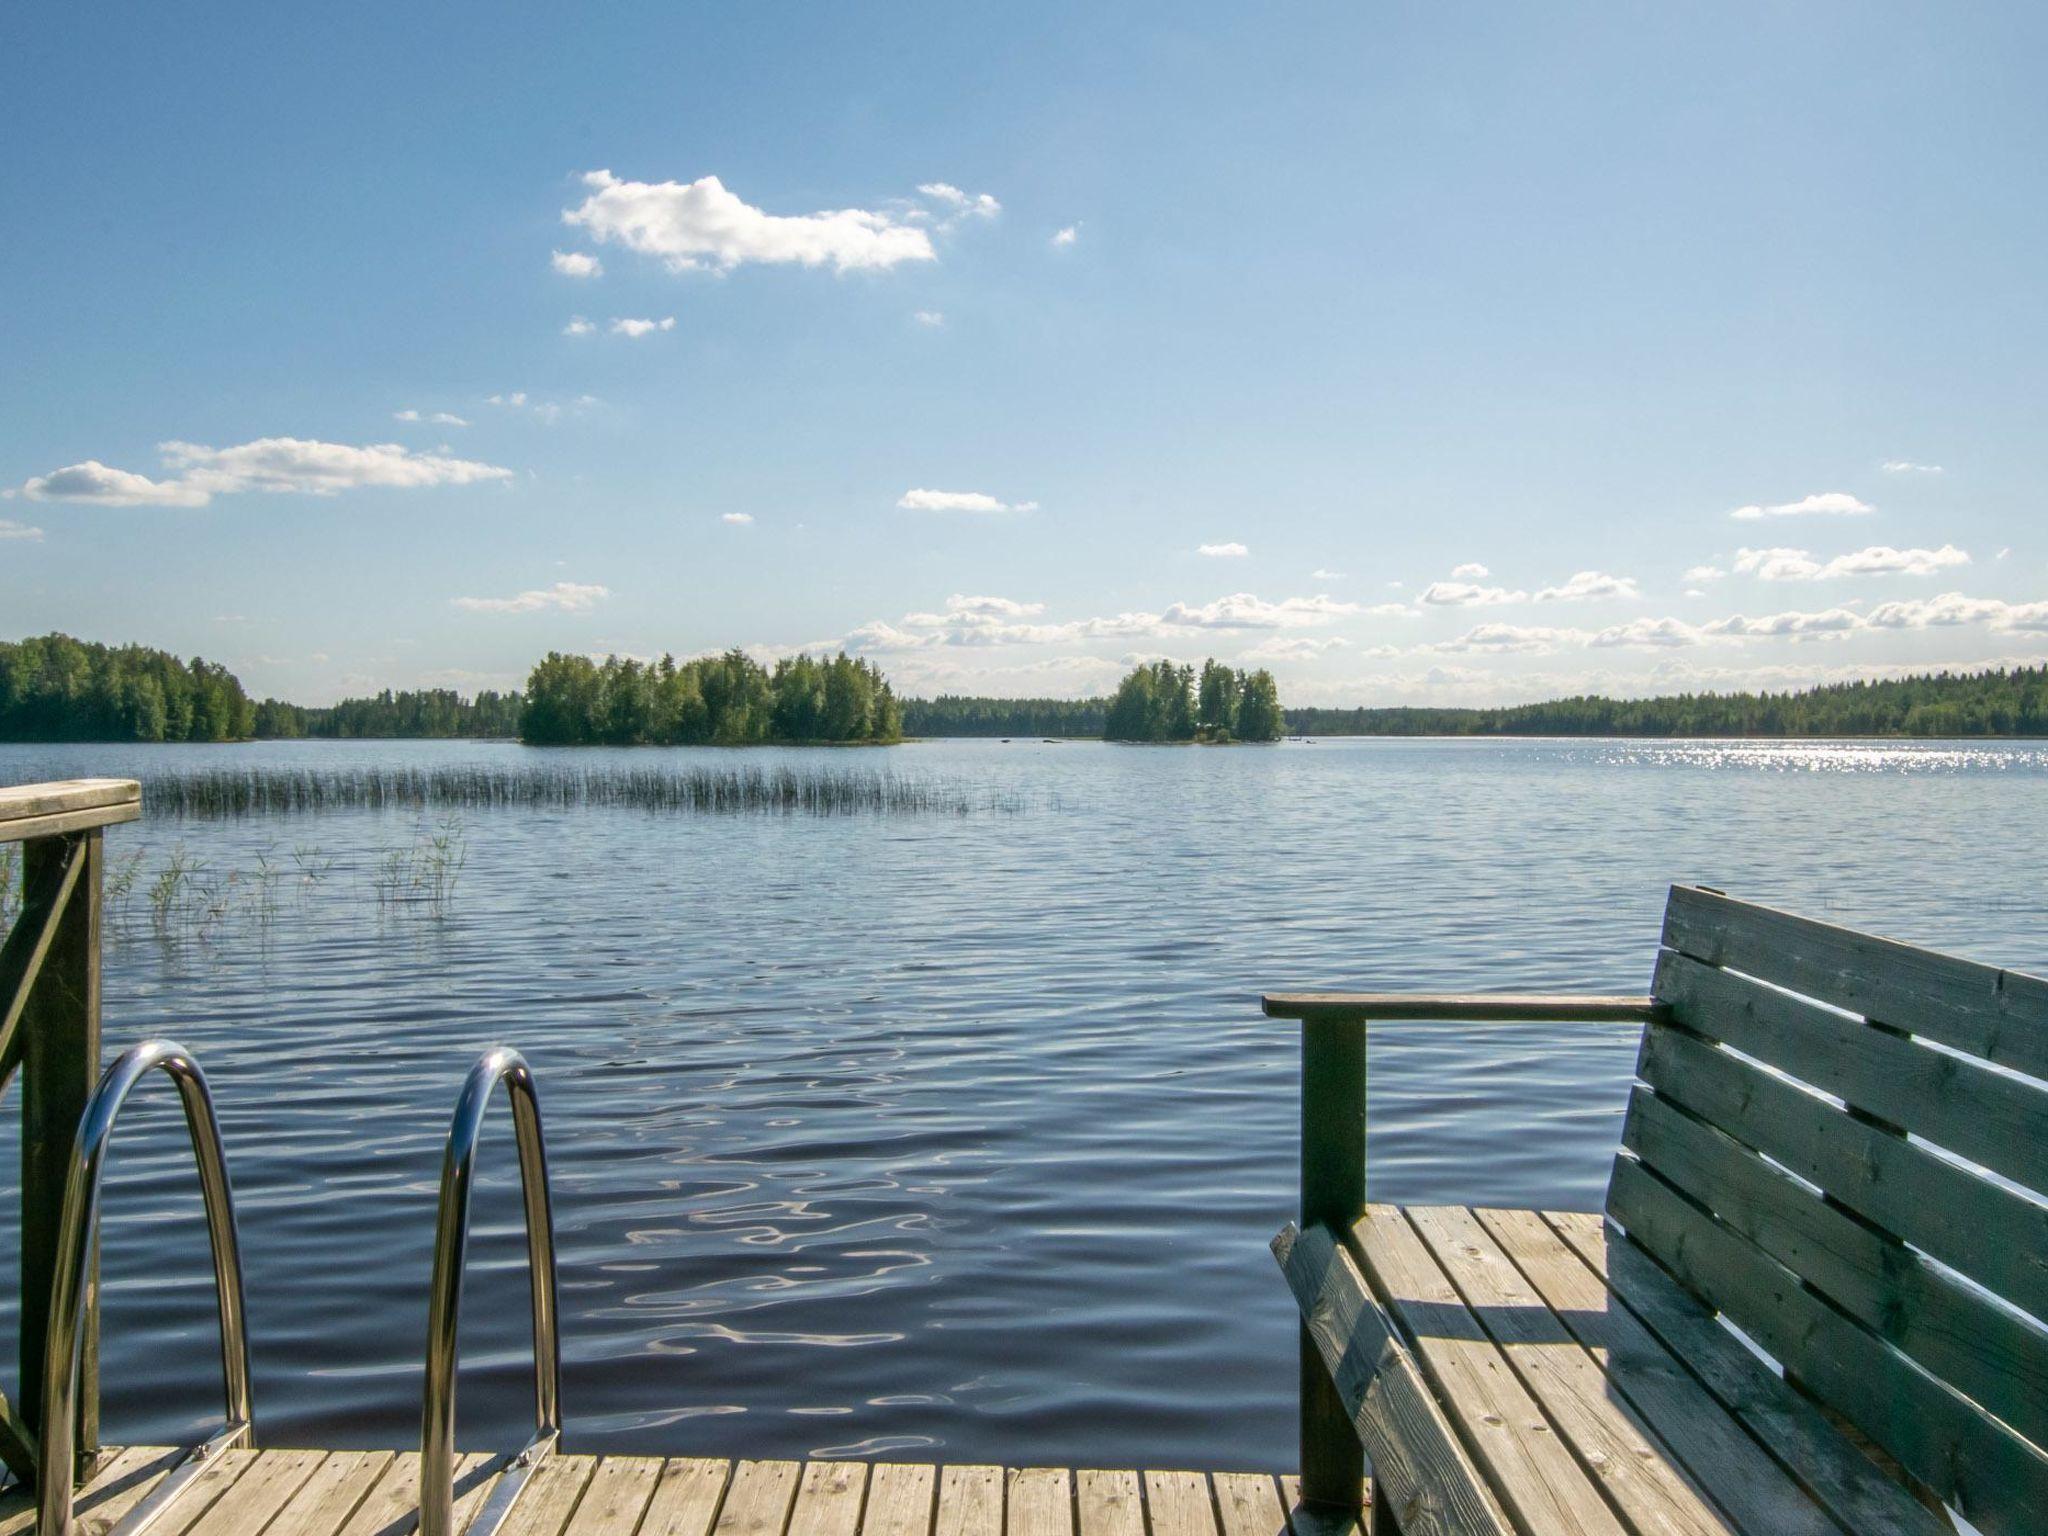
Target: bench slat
<point>1994,1235</point>
<point>2001,1016</point>
<point>1419,1469</point>
<point>1533,1471</point>
<point>1988,1117</point>
<point>1988,1353</point>
<point>1796,1433</point>
<point>1993,1476</point>
<point>1698,1430</point>
<point>1637,1469</point>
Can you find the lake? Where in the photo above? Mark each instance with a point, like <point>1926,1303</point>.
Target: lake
<point>953,1134</point>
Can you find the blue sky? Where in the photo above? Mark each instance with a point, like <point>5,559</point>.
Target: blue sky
<point>1457,335</point>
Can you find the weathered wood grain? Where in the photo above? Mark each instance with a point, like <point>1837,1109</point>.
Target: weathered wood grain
<point>1463,1007</point>
<point>901,1496</point>
<point>1110,1503</point>
<point>1641,1476</point>
<point>1544,1488</point>
<point>970,1501</point>
<point>1990,1353</point>
<point>2001,1016</point>
<point>68,805</point>
<point>687,1499</point>
<point>1248,1504</point>
<point>1179,1504</point>
<point>325,1500</point>
<point>1990,1233</point>
<point>1989,1117</point>
<point>1996,1478</point>
<point>1421,1471</point>
<point>758,1499</point>
<point>1039,1502</point>
<point>617,1496</point>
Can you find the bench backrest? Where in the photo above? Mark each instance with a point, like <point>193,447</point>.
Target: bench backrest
<point>1841,1144</point>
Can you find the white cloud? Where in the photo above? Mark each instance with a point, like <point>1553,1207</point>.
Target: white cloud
<point>1294,648</point>
<point>2004,552</point>
<point>1952,608</point>
<point>699,224</point>
<point>434,418</point>
<point>10,529</point>
<point>978,205</point>
<point>1908,467</point>
<point>1066,236</point>
<point>1463,594</point>
<point>639,328</point>
<point>931,317</point>
<point>101,485</point>
<point>563,596</point>
<point>1704,573</point>
<point>1470,571</point>
<point>1648,632</point>
<point>1511,637</point>
<point>1322,575</point>
<point>547,412</point>
<point>1877,560</point>
<point>578,326</point>
<point>1587,586</point>
<point>1243,610</point>
<point>279,465</point>
<point>737,519</point>
<point>1231,551</point>
<point>1794,626</point>
<point>576,264</point>
<point>990,607</point>
<point>1822,504</point>
<point>920,500</point>
<point>1392,611</point>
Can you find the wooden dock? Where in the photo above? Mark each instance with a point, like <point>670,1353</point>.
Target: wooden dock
<point>374,1493</point>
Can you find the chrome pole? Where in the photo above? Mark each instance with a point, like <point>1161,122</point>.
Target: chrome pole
<point>444,1309</point>
<point>77,1239</point>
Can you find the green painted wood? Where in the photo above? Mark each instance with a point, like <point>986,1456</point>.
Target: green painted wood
<point>1989,1353</point>
<point>1989,1233</point>
<point>60,1061</point>
<point>1989,1117</point>
<point>1991,1474</point>
<point>2001,1016</point>
<point>1785,1423</point>
<point>1422,1476</point>
<point>1333,1468</point>
<point>1466,1007</point>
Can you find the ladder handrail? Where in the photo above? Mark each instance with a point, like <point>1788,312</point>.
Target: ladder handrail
<point>77,1244</point>
<point>451,1241</point>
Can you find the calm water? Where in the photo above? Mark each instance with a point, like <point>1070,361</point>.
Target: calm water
<point>951,1137</point>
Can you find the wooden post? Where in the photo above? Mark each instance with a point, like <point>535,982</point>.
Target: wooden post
<point>60,1061</point>
<point>50,1034</point>
<point>1332,1194</point>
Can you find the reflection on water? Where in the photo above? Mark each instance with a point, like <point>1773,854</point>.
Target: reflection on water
<point>953,1135</point>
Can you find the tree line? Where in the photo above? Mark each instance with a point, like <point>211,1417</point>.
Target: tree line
<point>55,688</point>
<point>728,700</point>
<point>1163,701</point>
<point>1999,702</point>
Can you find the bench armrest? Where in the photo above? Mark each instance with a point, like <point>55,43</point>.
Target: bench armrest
<point>1473,1007</point>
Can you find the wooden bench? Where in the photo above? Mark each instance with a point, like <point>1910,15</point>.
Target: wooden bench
<point>1838,1145</point>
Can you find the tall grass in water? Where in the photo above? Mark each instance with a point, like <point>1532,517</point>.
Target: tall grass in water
<point>547,786</point>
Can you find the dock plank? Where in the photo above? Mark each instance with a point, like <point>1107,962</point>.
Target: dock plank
<point>1110,1503</point>
<point>264,1486</point>
<point>1180,1504</point>
<point>618,1495</point>
<point>205,1490</point>
<point>121,1483</point>
<point>1305,1519</point>
<point>687,1500</point>
<point>549,1499</point>
<point>325,1500</point>
<point>901,1499</point>
<point>1040,1502</point>
<point>970,1502</point>
<point>1248,1504</point>
<point>758,1501</point>
<point>828,1499</point>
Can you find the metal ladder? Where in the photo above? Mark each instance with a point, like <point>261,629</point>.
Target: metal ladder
<point>78,1239</point>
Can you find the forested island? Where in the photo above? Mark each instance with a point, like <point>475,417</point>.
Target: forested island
<point>728,701</point>
<point>1163,702</point>
<point>54,688</point>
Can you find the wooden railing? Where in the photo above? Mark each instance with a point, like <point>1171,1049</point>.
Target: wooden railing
<point>1333,1067</point>
<point>50,1034</point>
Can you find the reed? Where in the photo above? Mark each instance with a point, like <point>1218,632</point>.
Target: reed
<point>697,790</point>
